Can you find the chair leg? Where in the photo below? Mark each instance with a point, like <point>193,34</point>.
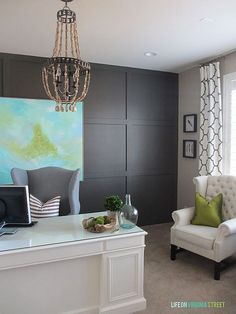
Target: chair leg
<point>217,270</point>
<point>173,250</point>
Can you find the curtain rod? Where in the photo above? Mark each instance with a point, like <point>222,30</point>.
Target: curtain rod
<point>211,61</point>
<point>217,58</point>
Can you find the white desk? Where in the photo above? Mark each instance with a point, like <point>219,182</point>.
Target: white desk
<point>56,267</point>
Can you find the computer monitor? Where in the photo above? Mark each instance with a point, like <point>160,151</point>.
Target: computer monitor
<point>14,205</point>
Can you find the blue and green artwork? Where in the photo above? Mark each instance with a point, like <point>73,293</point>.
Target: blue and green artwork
<point>34,135</point>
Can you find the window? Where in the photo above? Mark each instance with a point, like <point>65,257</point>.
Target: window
<point>229,124</point>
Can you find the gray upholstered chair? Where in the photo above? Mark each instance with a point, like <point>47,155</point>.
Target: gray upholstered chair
<point>46,183</point>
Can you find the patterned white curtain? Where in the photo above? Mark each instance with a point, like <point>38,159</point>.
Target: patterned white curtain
<point>210,142</point>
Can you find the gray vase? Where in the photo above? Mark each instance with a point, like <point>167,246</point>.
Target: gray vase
<point>128,215</point>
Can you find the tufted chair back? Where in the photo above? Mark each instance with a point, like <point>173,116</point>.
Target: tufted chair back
<point>210,186</point>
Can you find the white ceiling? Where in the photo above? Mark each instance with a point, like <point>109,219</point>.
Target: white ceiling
<point>119,32</point>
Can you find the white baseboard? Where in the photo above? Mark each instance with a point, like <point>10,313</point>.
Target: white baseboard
<point>125,308</point>
<point>89,310</point>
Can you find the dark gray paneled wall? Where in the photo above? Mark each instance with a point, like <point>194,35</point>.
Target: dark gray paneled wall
<point>130,133</point>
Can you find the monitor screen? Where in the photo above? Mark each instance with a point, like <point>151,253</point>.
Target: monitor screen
<point>14,204</point>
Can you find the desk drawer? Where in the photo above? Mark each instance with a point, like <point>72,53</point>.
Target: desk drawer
<point>124,242</point>
<point>49,253</point>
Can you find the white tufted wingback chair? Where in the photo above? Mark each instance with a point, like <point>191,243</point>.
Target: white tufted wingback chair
<point>214,243</point>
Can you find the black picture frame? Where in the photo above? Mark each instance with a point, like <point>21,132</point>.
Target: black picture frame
<point>190,123</point>
<point>189,148</point>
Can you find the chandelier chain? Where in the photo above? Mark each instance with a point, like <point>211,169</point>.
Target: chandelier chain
<point>72,41</point>
<point>56,47</point>
<point>60,40</point>
<point>76,38</point>
<point>66,39</point>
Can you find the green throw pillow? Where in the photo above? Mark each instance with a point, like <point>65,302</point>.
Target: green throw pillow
<point>208,213</point>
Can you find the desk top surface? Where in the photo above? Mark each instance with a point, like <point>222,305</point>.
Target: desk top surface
<point>57,230</point>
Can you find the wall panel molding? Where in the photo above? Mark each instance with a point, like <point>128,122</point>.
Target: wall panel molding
<point>130,127</point>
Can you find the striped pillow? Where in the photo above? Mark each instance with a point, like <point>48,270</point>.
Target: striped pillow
<point>48,209</point>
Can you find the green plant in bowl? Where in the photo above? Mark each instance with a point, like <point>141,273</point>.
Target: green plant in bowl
<point>100,220</point>
<point>98,224</point>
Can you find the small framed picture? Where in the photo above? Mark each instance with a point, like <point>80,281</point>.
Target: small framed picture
<point>190,123</point>
<point>189,148</point>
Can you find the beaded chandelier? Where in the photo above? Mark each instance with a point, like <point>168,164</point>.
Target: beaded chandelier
<point>65,76</point>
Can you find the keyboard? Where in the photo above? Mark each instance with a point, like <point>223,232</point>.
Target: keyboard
<point>7,230</point>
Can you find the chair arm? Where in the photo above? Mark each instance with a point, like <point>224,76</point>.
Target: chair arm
<point>74,186</point>
<point>183,216</point>
<point>228,227</point>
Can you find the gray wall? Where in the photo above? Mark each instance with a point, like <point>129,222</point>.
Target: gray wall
<point>189,102</point>
<point>189,99</point>
<point>228,64</point>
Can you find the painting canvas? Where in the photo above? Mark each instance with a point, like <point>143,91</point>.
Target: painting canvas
<point>34,135</point>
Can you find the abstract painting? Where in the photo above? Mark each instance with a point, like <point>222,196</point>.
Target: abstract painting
<point>34,135</point>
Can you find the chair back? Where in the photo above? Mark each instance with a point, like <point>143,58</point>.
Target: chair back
<point>46,183</point>
<point>220,184</point>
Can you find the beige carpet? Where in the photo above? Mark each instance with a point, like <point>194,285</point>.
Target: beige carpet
<point>189,278</point>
